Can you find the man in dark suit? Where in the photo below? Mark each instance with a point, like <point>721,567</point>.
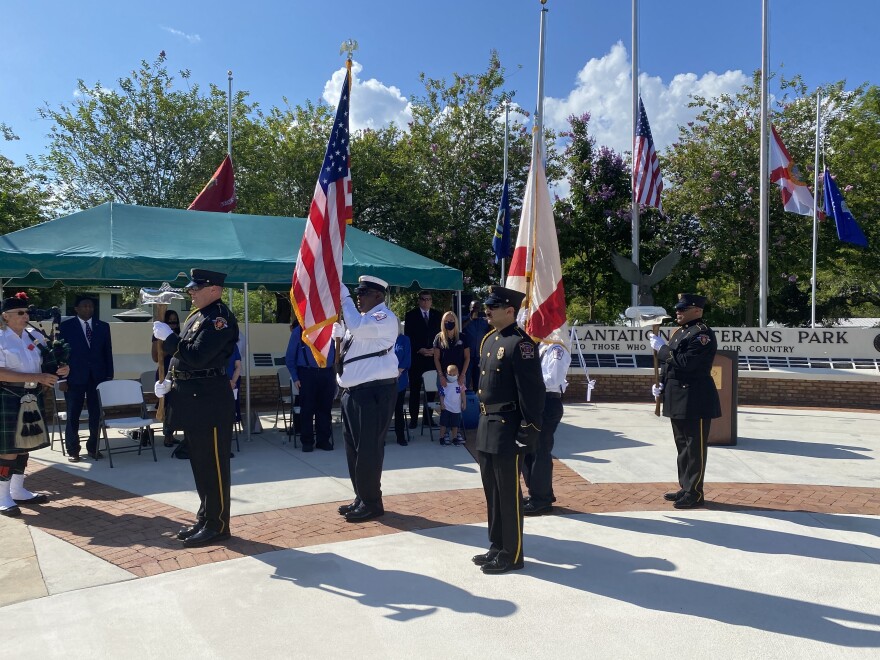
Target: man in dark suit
<point>91,362</point>
<point>690,398</point>
<point>511,406</point>
<point>421,324</point>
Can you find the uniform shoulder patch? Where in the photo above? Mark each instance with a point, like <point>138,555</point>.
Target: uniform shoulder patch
<point>556,352</point>
<point>220,323</point>
<point>379,316</point>
<point>703,339</point>
<point>526,350</point>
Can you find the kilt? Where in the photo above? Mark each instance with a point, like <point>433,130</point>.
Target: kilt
<point>10,401</point>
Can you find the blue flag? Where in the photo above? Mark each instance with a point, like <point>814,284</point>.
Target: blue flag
<point>501,240</point>
<point>847,228</point>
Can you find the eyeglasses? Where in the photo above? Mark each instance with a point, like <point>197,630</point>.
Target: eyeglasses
<point>426,299</point>
<point>197,287</point>
<point>19,312</point>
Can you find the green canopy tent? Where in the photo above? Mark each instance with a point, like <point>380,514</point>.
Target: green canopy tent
<point>122,245</point>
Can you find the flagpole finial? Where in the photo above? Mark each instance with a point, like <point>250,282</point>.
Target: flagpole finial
<point>348,46</point>
<point>229,74</point>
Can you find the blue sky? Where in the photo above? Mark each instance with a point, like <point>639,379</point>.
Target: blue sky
<point>290,49</point>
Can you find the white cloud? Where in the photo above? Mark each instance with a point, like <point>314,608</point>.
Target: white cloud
<point>192,38</point>
<point>377,104</point>
<point>604,89</point>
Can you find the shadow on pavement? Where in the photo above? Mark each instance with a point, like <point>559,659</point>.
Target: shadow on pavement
<point>799,448</point>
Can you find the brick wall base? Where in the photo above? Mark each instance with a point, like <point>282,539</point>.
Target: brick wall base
<point>752,391</point>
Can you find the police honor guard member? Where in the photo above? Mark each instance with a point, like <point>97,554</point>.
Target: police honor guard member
<point>200,402</point>
<point>368,380</point>
<point>690,399</point>
<point>511,395</point>
<point>538,466</point>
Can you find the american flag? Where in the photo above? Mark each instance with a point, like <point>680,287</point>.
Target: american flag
<point>318,271</point>
<point>647,180</point>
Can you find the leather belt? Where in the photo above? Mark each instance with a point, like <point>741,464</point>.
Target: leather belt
<point>372,383</point>
<point>25,386</point>
<point>198,373</point>
<point>554,395</point>
<point>492,408</point>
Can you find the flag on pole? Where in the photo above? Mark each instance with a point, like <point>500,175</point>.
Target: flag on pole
<point>219,193</point>
<point>847,228</point>
<point>646,172</point>
<point>501,239</point>
<point>314,292</point>
<point>796,196</point>
<point>536,268</point>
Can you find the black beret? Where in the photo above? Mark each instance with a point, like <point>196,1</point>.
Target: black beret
<point>498,295</point>
<point>686,300</point>
<point>18,301</point>
<point>200,277</point>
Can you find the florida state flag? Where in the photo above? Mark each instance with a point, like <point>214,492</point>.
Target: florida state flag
<point>219,194</point>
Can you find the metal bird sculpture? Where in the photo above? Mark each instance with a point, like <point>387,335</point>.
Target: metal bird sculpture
<point>631,273</point>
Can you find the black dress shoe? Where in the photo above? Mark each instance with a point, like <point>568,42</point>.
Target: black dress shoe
<point>38,498</point>
<point>11,512</point>
<point>531,509</point>
<point>348,508</point>
<point>498,566</point>
<point>187,532</point>
<point>688,502</point>
<point>325,446</point>
<point>308,448</point>
<point>672,497</point>
<point>364,513</point>
<point>206,536</point>
<point>485,558</point>
<point>95,455</point>
<point>181,453</point>
<point>74,459</point>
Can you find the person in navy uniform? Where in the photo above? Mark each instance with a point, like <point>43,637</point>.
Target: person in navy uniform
<point>538,466</point>
<point>690,398</point>
<point>368,380</point>
<point>200,401</point>
<point>91,363</point>
<point>317,389</point>
<point>511,395</point>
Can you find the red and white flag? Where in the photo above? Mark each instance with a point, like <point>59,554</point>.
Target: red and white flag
<point>796,196</point>
<point>535,267</point>
<point>219,193</point>
<point>317,275</point>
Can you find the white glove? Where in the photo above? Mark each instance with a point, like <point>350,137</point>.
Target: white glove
<point>657,342</point>
<point>338,331</point>
<point>162,387</point>
<point>344,292</point>
<point>656,390</point>
<point>162,331</point>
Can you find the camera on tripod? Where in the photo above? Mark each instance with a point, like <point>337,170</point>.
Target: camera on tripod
<point>36,314</point>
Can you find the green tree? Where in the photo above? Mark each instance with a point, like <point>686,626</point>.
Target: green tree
<point>23,199</point>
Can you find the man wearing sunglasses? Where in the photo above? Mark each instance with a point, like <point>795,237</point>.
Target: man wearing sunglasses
<point>511,394</point>
<point>200,402</point>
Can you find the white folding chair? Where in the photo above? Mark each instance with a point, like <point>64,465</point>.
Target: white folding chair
<point>59,422</point>
<point>115,393</point>
<point>429,386</point>
<point>285,398</point>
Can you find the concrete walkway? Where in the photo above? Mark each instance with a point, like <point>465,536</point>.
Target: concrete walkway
<point>783,562</point>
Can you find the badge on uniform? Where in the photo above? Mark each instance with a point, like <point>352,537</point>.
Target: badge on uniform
<point>526,350</point>
<point>379,316</point>
<point>220,323</point>
<point>500,353</point>
<point>556,352</point>
<point>703,339</point>
<point>196,325</point>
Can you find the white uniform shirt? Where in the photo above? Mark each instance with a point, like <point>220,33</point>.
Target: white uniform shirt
<point>371,332</point>
<point>21,354</point>
<point>555,361</point>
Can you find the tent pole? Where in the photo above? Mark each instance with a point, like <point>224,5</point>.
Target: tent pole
<point>247,365</point>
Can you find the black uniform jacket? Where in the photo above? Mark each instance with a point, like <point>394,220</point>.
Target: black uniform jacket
<point>686,364</point>
<point>511,392</point>
<point>200,395</point>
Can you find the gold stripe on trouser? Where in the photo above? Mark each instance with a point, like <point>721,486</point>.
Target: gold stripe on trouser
<point>219,481</point>
<point>702,462</point>
<point>519,534</point>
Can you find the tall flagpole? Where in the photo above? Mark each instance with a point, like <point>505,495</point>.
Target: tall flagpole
<point>506,128</point>
<point>537,151</point>
<point>229,116</point>
<point>635,121</point>
<point>815,208</point>
<point>764,224</point>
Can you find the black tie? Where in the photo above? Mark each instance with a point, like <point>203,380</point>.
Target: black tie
<point>88,333</point>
